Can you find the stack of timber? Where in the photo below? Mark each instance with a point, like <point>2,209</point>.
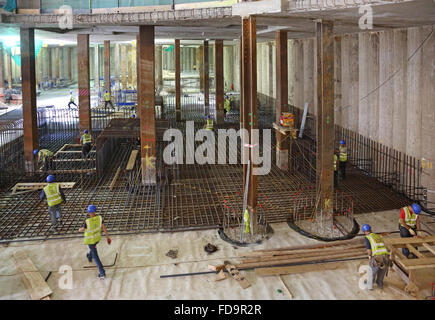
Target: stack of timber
<point>303,258</point>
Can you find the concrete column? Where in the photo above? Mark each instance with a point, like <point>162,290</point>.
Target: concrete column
<point>368,111</point>
<point>309,70</point>
<point>2,82</point>
<point>325,116</point>
<point>228,67</point>
<point>237,73</point>
<point>262,65</point>
<point>282,142</point>
<point>386,91</point>
<point>159,68</point>
<point>70,76</point>
<point>97,67</point>
<point>56,63</point>
<point>299,74</point>
<point>50,63</point>
<point>182,59</point>
<point>400,90</point>
<point>428,114</point>
<point>117,65</point>
<point>9,63</point>
<point>107,66</point>
<point>84,82</point>
<point>27,42</point>
<point>219,79</point>
<point>124,58</point>
<point>201,69</point>
<point>206,76</point>
<point>271,55</point>
<point>291,72</point>
<point>146,103</point>
<point>177,78</point>
<point>337,80</point>
<point>131,70</point>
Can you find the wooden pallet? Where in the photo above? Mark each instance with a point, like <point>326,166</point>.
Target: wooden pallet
<point>39,186</point>
<point>35,284</point>
<point>405,267</point>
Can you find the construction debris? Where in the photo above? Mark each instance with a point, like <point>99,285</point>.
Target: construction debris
<point>209,248</point>
<point>221,276</point>
<point>232,270</point>
<point>216,268</point>
<point>172,254</point>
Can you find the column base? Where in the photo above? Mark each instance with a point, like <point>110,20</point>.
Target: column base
<point>149,176</point>
<point>282,159</point>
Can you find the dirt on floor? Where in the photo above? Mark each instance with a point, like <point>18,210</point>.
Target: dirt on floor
<point>142,260</point>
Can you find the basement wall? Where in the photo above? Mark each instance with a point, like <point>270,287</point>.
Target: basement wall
<point>384,88</point>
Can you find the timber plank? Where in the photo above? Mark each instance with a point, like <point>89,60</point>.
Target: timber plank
<point>298,269</point>
<point>415,251</point>
<point>40,185</point>
<point>132,160</point>
<point>428,247</point>
<point>115,178</point>
<point>403,241</point>
<point>36,286</point>
<point>232,270</point>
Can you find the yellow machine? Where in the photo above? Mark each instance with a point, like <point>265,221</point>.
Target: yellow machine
<point>287,119</point>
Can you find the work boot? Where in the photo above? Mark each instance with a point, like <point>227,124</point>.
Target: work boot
<point>101,276</point>
<point>380,285</point>
<point>89,257</point>
<point>59,221</point>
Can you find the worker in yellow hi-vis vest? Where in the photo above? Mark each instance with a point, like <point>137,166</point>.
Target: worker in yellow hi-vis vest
<point>86,141</point>
<point>107,100</point>
<point>209,123</point>
<point>336,168</point>
<point>378,257</point>
<point>55,197</point>
<point>92,228</point>
<point>45,158</point>
<point>343,158</point>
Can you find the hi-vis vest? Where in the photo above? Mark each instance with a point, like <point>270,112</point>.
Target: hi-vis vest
<point>247,221</point>
<point>343,153</point>
<point>87,138</point>
<point>93,230</point>
<point>43,153</point>
<point>52,193</point>
<point>209,124</point>
<point>107,96</point>
<point>378,246</point>
<point>71,98</point>
<point>410,217</point>
<point>335,162</point>
<point>227,105</point>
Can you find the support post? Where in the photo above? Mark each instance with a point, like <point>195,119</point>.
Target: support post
<point>2,81</point>
<point>56,64</point>
<point>159,68</point>
<point>96,67</point>
<point>9,62</point>
<point>282,141</point>
<point>219,79</point>
<point>146,104</point>
<point>117,64</point>
<point>325,116</point>
<point>107,66</point>
<point>177,80</point>
<point>124,58</point>
<point>50,63</point>
<point>83,82</point>
<point>27,43</point>
<point>249,109</point>
<point>70,63</point>
<point>206,78</point>
<point>201,69</point>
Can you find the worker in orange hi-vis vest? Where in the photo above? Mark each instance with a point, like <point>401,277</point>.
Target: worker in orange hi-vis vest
<point>409,225</point>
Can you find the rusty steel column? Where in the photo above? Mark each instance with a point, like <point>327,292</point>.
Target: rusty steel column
<point>30,125</point>
<point>70,63</point>
<point>201,69</point>
<point>282,141</point>
<point>219,79</point>
<point>325,114</point>
<point>206,78</point>
<point>9,63</point>
<point>146,106</point>
<point>177,80</point>
<point>107,66</point>
<point>2,81</point>
<point>249,108</point>
<point>84,82</point>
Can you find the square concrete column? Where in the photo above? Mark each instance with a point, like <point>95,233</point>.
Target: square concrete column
<point>27,41</point>
<point>2,82</point>
<point>124,66</point>
<point>159,67</point>
<point>177,80</point>
<point>70,63</point>
<point>219,79</point>
<point>146,105</point>
<point>206,78</point>
<point>282,141</point>
<point>249,109</point>
<point>325,134</point>
<point>107,66</point>
<point>117,65</point>
<point>50,63</point>
<point>201,69</point>
<point>56,63</point>
<point>84,82</point>
<point>97,67</point>
<point>9,63</point>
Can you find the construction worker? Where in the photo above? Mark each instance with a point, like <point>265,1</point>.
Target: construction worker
<point>227,105</point>
<point>86,141</point>
<point>209,123</point>
<point>71,100</point>
<point>409,225</point>
<point>336,168</point>
<point>343,158</point>
<point>107,100</point>
<point>378,257</point>
<point>92,228</point>
<point>45,158</point>
<point>55,197</point>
